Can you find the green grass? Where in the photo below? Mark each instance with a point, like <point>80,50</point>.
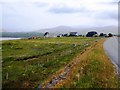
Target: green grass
<point>95,70</point>
<point>27,63</point>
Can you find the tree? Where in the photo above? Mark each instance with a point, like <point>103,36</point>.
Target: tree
<point>101,35</point>
<point>91,34</point>
<point>110,35</point>
<point>46,34</point>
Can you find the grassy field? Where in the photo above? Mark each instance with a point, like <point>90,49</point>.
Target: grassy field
<point>27,63</point>
<point>92,70</point>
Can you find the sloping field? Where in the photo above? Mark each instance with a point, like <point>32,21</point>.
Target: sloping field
<point>89,69</point>
<point>30,63</point>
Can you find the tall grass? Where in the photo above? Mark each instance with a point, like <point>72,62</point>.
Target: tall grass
<point>94,69</point>
<point>27,63</point>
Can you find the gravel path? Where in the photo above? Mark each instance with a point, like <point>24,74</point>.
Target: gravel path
<point>60,77</point>
<point>111,47</point>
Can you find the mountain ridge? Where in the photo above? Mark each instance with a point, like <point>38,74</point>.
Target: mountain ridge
<point>67,29</point>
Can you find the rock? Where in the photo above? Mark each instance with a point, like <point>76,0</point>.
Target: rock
<point>74,45</point>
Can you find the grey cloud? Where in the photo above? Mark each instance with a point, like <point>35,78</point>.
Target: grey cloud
<point>40,4</point>
<point>113,15</point>
<point>114,2</point>
<point>8,6</point>
<point>110,3</point>
<point>108,15</point>
<point>66,9</point>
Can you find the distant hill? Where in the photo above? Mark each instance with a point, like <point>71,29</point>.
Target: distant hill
<point>67,29</point>
<point>105,29</point>
<point>20,34</point>
<point>59,29</point>
<point>2,30</point>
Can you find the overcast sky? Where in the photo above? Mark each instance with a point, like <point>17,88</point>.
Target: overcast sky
<point>30,15</point>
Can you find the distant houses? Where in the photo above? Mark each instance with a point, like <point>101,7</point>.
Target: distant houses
<point>74,34</point>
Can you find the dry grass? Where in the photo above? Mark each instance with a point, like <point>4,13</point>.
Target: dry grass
<point>91,69</point>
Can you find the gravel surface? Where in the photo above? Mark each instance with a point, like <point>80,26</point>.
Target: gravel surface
<point>111,47</point>
<point>58,78</point>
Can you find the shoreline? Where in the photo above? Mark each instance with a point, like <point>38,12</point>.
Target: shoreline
<point>8,38</point>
